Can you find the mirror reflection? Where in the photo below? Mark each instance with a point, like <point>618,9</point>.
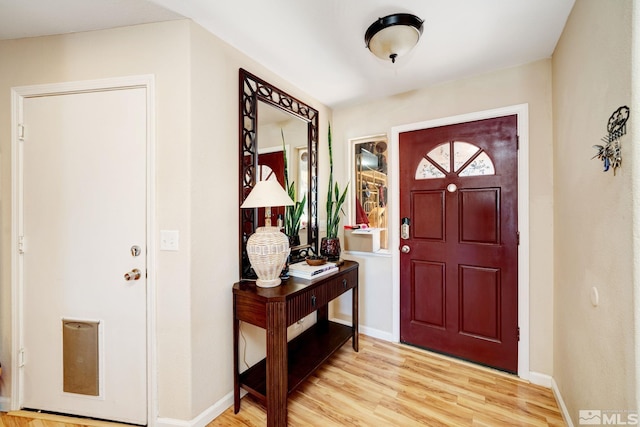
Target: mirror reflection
<point>283,136</point>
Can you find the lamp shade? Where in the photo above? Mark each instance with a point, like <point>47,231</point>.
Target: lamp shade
<point>267,194</point>
<point>267,248</point>
<point>394,35</point>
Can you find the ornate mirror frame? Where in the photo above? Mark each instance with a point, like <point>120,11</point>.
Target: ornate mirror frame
<point>254,90</point>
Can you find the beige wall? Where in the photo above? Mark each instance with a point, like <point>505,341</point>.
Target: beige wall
<point>526,84</point>
<point>196,79</point>
<point>595,347</point>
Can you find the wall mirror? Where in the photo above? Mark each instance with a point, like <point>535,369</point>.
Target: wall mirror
<point>273,123</point>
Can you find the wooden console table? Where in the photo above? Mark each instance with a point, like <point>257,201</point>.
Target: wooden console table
<point>287,365</point>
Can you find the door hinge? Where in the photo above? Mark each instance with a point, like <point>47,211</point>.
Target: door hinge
<point>518,333</point>
<point>21,244</point>
<point>21,358</point>
<point>21,132</point>
<point>518,237</point>
<point>517,142</point>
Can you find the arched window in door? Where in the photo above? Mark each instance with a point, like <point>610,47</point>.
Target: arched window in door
<point>461,158</point>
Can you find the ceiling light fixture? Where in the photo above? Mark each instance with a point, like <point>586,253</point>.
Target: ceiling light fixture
<point>394,35</point>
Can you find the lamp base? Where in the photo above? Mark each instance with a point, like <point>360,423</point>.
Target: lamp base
<point>271,283</point>
<point>268,250</point>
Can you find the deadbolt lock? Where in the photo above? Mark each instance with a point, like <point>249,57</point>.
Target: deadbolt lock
<point>404,228</point>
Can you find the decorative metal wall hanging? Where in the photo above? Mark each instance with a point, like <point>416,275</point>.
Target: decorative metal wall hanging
<point>611,152</point>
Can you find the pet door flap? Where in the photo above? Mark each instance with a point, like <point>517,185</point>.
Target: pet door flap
<point>80,357</point>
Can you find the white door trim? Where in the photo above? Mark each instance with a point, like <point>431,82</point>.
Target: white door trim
<point>522,111</point>
<point>18,94</point>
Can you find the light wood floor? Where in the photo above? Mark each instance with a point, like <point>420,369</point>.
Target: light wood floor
<point>387,384</point>
<point>35,419</point>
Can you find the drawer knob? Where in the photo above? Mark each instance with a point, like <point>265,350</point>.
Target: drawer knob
<point>313,300</point>
<point>344,283</point>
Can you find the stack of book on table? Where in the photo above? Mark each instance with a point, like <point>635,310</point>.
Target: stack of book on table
<point>306,271</point>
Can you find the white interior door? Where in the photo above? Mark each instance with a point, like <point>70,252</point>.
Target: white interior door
<point>83,160</point>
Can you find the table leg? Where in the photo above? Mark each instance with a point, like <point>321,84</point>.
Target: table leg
<point>354,317</point>
<point>277,373</point>
<point>236,374</point>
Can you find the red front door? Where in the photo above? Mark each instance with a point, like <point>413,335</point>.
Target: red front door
<point>459,275</point>
<point>271,166</point>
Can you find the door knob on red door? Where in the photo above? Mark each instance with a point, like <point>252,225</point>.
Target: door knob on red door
<point>132,275</point>
<point>405,249</point>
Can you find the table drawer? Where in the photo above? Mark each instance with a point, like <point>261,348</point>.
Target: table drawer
<point>342,284</point>
<point>306,303</point>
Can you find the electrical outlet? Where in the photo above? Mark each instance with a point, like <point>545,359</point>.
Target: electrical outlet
<point>169,240</point>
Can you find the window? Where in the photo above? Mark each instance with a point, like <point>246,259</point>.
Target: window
<point>370,189</point>
<point>463,158</point>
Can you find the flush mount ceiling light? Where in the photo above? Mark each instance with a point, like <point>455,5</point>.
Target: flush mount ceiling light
<point>393,35</point>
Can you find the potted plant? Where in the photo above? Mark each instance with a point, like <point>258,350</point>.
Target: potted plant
<point>292,214</point>
<point>330,245</point>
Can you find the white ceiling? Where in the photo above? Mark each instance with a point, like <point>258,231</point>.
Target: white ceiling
<point>318,45</point>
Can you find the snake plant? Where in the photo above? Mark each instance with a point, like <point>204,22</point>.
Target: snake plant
<point>335,200</point>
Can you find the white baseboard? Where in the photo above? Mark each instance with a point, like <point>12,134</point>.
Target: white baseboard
<point>563,407</point>
<point>204,418</point>
<point>5,404</point>
<point>543,380</point>
<point>377,333</point>
<point>371,332</point>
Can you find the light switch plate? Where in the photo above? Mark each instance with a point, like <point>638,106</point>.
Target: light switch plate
<point>169,240</point>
